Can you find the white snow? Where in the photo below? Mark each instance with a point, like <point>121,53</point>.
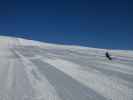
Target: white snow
<point>33,70</point>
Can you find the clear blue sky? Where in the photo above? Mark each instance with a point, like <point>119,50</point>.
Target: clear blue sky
<point>92,23</point>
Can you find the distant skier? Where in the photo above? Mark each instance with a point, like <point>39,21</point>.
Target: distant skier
<point>108,56</point>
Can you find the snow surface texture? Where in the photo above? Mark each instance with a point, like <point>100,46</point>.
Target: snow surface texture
<point>31,70</point>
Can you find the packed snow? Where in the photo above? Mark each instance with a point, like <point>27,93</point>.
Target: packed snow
<point>33,70</point>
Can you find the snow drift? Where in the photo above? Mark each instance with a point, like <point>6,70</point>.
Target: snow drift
<point>31,70</point>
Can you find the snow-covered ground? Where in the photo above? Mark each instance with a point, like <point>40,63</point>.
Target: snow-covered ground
<point>31,70</point>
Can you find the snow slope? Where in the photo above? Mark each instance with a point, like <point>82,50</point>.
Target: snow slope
<point>31,70</point>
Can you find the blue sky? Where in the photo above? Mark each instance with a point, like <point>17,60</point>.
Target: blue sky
<point>92,23</point>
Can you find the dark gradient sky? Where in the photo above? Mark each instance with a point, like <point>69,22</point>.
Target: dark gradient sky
<point>92,23</point>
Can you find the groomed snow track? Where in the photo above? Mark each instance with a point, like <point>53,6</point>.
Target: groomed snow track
<point>31,70</point>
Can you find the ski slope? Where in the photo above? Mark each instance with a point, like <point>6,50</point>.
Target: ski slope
<point>31,70</point>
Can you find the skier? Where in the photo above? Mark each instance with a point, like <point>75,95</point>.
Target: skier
<point>108,56</point>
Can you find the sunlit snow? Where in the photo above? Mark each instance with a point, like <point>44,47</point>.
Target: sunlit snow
<point>32,70</point>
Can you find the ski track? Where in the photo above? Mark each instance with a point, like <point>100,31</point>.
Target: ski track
<point>37,71</point>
